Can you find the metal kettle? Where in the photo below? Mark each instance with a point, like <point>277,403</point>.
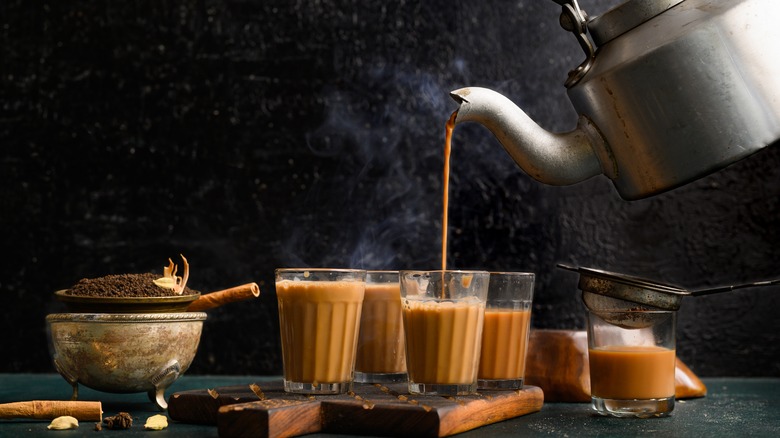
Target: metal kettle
<point>670,91</point>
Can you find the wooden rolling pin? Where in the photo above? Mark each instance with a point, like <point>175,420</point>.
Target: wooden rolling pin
<point>51,409</point>
<point>220,298</point>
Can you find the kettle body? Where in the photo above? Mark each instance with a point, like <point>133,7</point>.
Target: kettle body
<point>669,95</point>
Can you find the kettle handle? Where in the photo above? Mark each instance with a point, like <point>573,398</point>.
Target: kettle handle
<point>575,20</point>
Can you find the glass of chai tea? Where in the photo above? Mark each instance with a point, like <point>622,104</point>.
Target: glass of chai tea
<point>319,319</point>
<point>506,330</point>
<point>381,354</point>
<point>632,366</point>
<point>443,313</point>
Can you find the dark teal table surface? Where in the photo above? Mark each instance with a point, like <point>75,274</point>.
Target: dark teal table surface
<point>733,407</point>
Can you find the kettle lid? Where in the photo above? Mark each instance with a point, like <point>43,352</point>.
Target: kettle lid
<point>624,17</point>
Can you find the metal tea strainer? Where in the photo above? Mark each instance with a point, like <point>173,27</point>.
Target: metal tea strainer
<point>625,300</point>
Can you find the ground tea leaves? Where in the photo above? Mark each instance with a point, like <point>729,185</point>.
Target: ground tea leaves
<point>123,285</point>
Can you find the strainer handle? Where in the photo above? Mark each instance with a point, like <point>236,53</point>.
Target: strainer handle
<point>738,286</point>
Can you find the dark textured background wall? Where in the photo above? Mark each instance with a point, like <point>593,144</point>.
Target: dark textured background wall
<point>250,135</point>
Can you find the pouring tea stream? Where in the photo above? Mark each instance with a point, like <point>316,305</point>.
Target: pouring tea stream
<point>670,91</point>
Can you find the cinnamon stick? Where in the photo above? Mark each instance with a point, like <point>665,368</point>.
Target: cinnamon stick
<point>219,298</point>
<point>51,409</point>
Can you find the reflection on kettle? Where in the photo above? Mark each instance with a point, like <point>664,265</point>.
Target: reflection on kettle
<point>670,91</point>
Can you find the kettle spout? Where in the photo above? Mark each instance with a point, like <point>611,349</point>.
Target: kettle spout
<point>555,159</point>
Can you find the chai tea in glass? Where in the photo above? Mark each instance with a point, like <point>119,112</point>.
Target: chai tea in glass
<point>632,368</point>
<point>319,319</point>
<point>443,313</point>
<point>506,330</point>
<point>381,351</point>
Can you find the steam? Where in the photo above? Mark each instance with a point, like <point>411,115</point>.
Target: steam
<point>380,146</point>
<point>376,200</point>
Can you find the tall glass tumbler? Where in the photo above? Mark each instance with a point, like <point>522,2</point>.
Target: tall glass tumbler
<point>443,314</point>
<point>506,331</point>
<point>319,318</point>
<point>381,353</point>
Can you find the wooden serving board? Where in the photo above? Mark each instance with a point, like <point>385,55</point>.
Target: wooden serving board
<point>265,410</point>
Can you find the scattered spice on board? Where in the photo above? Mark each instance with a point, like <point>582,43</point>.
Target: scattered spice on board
<point>122,420</point>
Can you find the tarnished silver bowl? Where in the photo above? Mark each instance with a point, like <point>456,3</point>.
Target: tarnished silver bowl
<point>125,353</point>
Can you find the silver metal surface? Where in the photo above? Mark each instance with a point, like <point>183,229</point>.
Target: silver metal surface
<point>624,17</point>
<point>575,20</point>
<point>537,151</point>
<point>125,353</point>
<point>131,304</point>
<point>632,290</point>
<point>717,290</point>
<point>682,95</point>
<point>626,301</point>
<point>622,313</point>
<point>604,291</point>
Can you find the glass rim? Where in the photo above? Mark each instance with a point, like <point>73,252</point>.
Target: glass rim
<point>345,270</point>
<point>442,271</point>
<point>514,273</point>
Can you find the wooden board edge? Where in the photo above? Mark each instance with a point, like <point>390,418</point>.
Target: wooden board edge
<point>517,403</point>
<point>351,418</point>
<point>270,419</point>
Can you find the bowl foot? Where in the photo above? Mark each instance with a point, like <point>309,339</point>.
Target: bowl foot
<point>158,398</point>
<point>73,381</point>
<point>162,381</point>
